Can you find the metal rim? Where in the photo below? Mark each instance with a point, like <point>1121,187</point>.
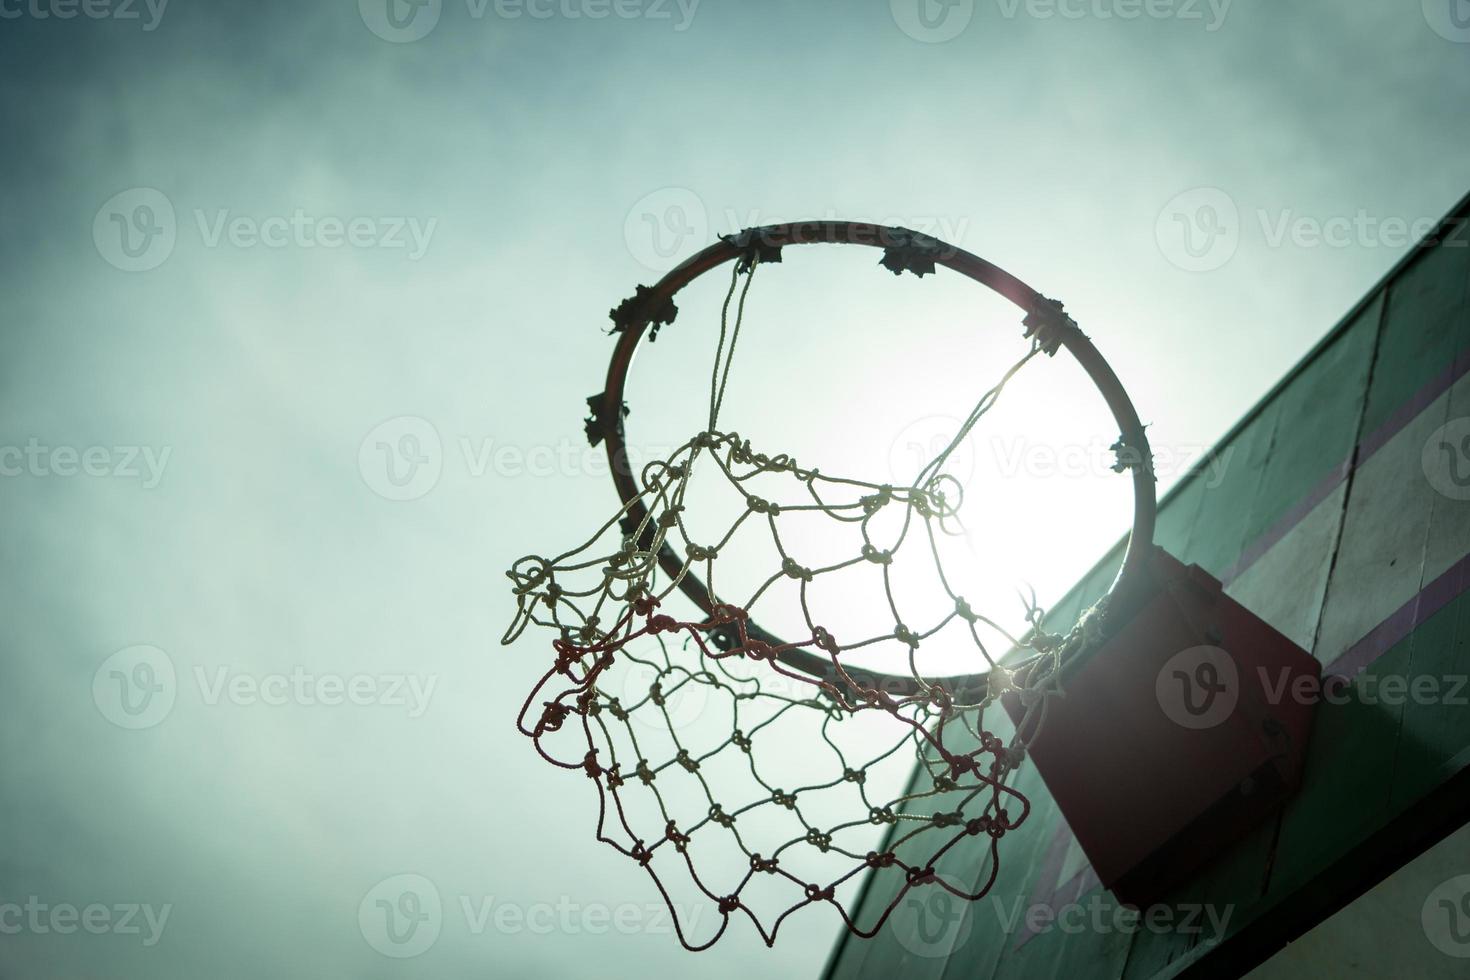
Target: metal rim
<point>908,250</point>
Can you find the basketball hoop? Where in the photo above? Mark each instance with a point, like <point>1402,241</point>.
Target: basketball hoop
<point>609,598</point>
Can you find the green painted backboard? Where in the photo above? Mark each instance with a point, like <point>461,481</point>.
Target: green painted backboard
<point>1340,514</point>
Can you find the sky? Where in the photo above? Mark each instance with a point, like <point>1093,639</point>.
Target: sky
<point>303,303</point>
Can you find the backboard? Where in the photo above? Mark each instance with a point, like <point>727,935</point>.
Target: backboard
<point>1338,510</point>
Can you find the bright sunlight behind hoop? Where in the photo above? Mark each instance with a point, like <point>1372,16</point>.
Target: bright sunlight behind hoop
<point>854,371</point>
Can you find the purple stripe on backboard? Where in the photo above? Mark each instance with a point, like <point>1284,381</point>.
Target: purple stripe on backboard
<point>1068,893</point>
<point>1403,621</point>
<point>1416,404</point>
<point>1046,880</point>
<point>1268,538</point>
<point>1063,894</point>
<point>1370,444</point>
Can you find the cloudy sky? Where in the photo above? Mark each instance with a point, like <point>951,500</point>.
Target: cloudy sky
<point>302,304</point>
